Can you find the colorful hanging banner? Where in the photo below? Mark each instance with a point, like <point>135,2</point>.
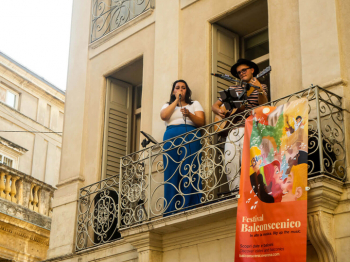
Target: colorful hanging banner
<point>272,208</point>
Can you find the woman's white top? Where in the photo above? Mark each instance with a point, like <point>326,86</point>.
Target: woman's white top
<point>177,117</point>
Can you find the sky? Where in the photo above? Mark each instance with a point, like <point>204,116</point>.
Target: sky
<point>36,33</point>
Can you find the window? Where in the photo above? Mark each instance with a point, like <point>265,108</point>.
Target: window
<point>118,123</point>
<point>242,34</point>
<point>256,45</point>
<point>6,160</point>
<point>122,116</point>
<point>47,116</point>
<point>8,96</point>
<point>60,121</point>
<point>122,124</point>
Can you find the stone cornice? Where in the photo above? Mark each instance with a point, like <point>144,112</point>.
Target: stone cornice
<point>93,250</point>
<point>208,222</point>
<point>325,193</point>
<point>37,229</point>
<point>166,223</point>
<point>347,188</point>
<point>70,181</point>
<point>24,229</point>
<point>145,241</point>
<point>24,69</point>
<point>30,82</point>
<point>13,146</point>
<point>17,211</point>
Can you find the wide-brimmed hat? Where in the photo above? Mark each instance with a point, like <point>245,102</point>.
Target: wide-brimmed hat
<point>247,62</point>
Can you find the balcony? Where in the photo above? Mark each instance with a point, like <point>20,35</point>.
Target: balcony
<point>135,196</point>
<point>109,15</point>
<point>25,216</point>
<point>25,197</point>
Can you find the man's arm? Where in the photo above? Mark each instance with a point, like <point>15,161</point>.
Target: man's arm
<point>216,109</point>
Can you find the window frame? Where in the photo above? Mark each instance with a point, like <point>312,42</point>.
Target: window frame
<point>259,59</point>
<point>15,93</point>
<point>2,155</point>
<point>135,113</point>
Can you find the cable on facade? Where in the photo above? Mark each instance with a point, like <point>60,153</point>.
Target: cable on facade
<point>29,132</point>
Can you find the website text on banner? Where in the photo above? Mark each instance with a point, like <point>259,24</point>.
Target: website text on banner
<point>272,209</point>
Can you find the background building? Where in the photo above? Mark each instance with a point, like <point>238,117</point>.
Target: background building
<point>31,112</point>
<point>124,56</point>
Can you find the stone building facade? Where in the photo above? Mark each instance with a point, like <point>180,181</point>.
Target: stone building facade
<point>124,56</point>
<point>31,120</point>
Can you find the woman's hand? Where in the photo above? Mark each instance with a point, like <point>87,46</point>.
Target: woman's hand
<point>185,112</point>
<point>177,95</point>
<point>197,118</point>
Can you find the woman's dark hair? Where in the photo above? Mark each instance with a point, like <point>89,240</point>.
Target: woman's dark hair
<point>188,99</point>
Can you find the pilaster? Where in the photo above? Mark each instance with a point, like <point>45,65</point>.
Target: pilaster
<point>320,56</point>
<point>166,70</point>
<point>62,239</point>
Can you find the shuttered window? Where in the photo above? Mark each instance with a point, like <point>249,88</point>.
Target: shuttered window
<point>222,84</point>
<point>6,160</point>
<point>225,53</point>
<point>117,130</point>
<point>117,144</point>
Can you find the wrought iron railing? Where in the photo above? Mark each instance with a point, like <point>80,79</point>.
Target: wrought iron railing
<point>108,15</point>
<point>139,193</point>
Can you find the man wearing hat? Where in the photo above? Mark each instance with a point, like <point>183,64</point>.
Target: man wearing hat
<point>246,71</point>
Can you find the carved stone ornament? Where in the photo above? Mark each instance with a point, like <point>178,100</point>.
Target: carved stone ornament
<point>323,198</point>
<point>148,245</point>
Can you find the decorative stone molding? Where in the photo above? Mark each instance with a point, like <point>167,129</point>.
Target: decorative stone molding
<point>148,245</point>
<point>325,193</point>
<point>147,237</point>
<point>347,188</point>
<point>17,149</point>
<point>323,198</point>
<point>204,213</point>
<point>21,240</point>
<point>186,3</point>
<point>70,181</point>
<point>320,231</point>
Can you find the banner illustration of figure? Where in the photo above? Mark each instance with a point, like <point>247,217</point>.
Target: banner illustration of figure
<point>272,209</point>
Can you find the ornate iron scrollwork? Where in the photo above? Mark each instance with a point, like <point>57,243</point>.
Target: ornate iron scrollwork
<point>108,15</point>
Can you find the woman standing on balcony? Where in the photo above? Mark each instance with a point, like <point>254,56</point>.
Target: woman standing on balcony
<point>182,184</point>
